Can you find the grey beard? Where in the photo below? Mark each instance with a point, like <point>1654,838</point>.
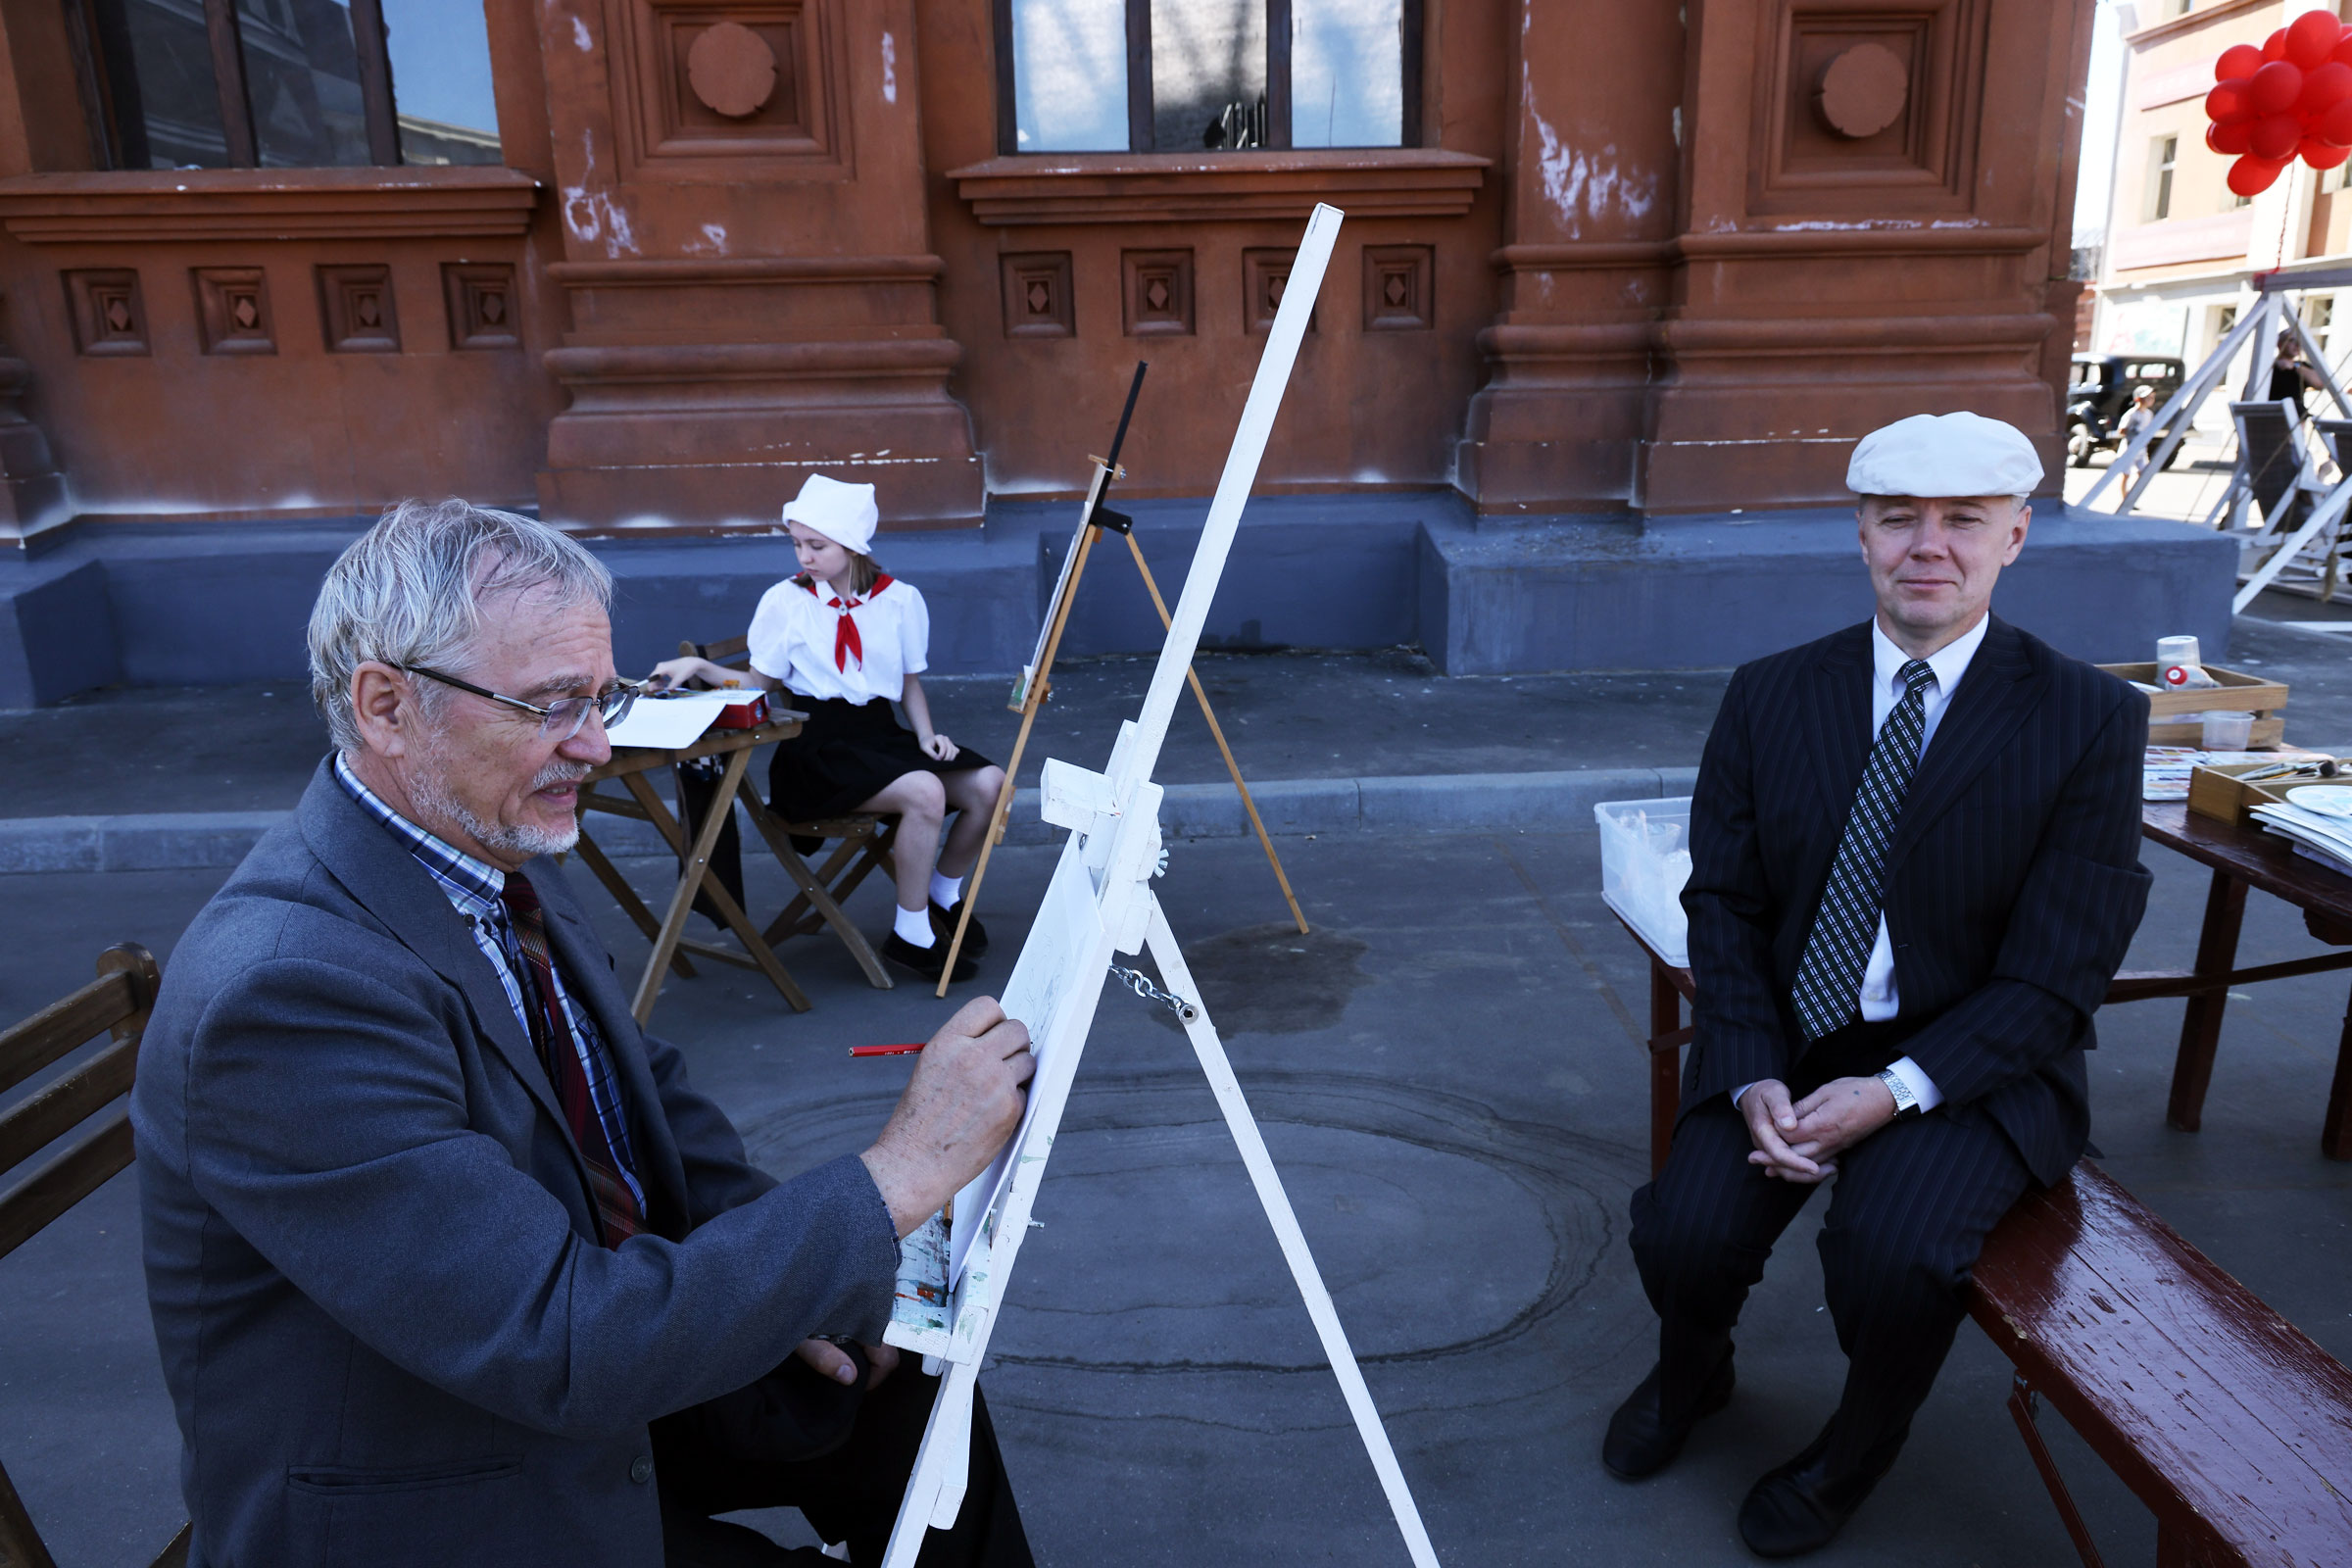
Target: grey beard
<point>523,843</point>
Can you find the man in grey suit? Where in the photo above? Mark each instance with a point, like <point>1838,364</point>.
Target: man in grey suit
<point>448,1260</point>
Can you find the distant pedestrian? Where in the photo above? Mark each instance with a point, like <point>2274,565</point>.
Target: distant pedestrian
<point>2290,374</point>
<point>2137,417</point>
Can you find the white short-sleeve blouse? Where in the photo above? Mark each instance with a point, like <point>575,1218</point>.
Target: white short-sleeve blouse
<point>818,645</point>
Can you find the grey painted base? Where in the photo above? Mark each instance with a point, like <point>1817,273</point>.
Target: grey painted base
<point>204,604</point>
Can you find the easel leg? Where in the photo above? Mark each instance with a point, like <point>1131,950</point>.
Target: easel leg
<point>1160,942</point>
<point>942,1467</point>
<point>1041,684</point>
<point>1201,695</point>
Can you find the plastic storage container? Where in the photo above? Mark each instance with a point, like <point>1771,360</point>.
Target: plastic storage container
<point>1644,860</point>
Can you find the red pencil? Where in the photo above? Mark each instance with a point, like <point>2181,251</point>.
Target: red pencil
<point>884,1050</point>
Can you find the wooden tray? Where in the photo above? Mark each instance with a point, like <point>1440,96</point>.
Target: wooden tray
<point>2238,692</point>
<point>2217,792</point>
<point>2268,736</point>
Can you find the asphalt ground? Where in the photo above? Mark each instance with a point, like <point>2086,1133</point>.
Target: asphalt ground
<point>1448,1076</point>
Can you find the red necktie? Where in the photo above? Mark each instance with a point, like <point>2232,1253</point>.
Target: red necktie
<point>846,643</point>
<point>618,1216</point>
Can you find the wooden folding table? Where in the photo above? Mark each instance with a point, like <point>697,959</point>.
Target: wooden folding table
<point>630,764</point>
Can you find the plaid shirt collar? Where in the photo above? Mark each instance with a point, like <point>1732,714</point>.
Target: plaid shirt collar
<point>473,887</point>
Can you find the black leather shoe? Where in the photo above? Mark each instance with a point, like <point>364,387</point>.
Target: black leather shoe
<point>925,961</point>
<point>975,935</point>
<point>1801,1506</point>
<point>1645,1436</point>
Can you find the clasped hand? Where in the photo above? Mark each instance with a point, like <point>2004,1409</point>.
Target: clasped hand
<point>1800,1141</point>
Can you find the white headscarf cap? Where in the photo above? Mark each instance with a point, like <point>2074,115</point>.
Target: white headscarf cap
<point>845,513</point>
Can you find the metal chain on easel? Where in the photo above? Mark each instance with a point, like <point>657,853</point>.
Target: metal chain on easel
<point>1144,988</point>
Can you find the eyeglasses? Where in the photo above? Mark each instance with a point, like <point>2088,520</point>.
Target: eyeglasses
<point>559,720</point>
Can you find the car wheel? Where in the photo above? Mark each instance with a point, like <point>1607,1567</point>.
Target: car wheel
<point>2078,445</point>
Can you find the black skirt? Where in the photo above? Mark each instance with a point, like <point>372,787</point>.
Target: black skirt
<point>846,754</point>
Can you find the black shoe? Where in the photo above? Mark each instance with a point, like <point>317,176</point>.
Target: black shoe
<point>942,927</point>
<point>1645,1437</point>
<point>925,961</point>
<point>1801,1506</point>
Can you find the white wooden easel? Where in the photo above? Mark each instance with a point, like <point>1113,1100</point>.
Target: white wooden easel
<point>1098,906</point>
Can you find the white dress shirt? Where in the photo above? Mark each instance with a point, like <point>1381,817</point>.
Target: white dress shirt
<point>1878,999</point>
<point>795,638</point>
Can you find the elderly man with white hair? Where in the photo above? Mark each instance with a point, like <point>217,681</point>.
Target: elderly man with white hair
<point>449,1262</point>
<point>1914,871</point>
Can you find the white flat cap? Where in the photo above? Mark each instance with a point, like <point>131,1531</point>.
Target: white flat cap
<point>1944,455</point>
<point>845,513</point>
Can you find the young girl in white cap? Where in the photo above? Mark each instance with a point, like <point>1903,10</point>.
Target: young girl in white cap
<point>845,640</point>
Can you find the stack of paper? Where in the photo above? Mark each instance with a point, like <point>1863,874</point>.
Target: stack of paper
<point>670,720</point>
<point>2316,835</point>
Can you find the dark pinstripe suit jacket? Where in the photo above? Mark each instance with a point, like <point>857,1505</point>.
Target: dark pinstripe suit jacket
<point>2013,882</point>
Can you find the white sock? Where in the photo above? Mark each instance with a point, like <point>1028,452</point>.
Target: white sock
<point>913,927</point>
<point>946,890</point>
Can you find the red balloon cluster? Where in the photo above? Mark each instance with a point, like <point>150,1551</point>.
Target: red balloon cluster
<point>2289,99</point>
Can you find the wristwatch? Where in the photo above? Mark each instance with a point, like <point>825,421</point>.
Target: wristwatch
<point>1906,1104</point>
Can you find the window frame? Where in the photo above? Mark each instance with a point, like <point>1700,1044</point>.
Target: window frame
<point>111,144</point>
<point>1141,137</point>
<point>2164,157</point>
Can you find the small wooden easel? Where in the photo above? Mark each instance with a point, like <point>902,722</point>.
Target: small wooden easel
<point>1037,679</point>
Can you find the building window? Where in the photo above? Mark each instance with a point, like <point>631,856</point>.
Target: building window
<point>2225,321</point>
<point>2163,153</point>
<point>1192,76</point>
<point>288,83</point>
<point>2178,8</point>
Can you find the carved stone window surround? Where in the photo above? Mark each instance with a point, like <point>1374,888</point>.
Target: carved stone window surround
<point>145,206</point>
<point>668,131</point>
<point>1195,187</point>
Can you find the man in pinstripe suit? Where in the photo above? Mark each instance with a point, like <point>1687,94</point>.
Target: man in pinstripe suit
<point>1914,871</point>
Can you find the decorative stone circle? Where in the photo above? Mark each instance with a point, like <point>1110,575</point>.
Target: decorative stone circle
<point>1862,90</point>
<point>731,69</point>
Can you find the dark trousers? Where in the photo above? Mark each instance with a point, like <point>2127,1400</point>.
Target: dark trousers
<point>850,1492</point>
<point>1909,1210</point>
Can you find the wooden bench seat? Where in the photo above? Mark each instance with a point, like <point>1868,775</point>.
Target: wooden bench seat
<point>77,1108</point>
<point>2224,1418</point>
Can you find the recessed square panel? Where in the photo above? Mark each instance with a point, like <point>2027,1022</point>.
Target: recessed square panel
<point>1867,106</point>
<point>1265,276</point>
<point>356,312</point>
<point>109,314</point>
<point>699,85</point>
<point>232,310</point>
<point>1399,282</point>
<point>1157,292</point>
<point>1037,295</point>
<point>482,309</point>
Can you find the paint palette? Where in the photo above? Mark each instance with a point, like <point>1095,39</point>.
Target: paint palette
<point>2329,800</point>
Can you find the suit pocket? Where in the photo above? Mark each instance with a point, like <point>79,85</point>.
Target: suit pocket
<point>357,1481</point>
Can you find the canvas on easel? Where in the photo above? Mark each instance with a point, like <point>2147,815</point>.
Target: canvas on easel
<point>1098,906</point>
<point>1035,682</point>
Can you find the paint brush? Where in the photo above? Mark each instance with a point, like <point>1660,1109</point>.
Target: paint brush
<point>885,1050</point>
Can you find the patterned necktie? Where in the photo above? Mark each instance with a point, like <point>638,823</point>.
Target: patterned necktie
<point>616,1212</point>
<point>1829,979</point>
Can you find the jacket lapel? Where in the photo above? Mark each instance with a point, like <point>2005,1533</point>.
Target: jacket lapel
<point>1837,719</point>
<point>388,882</point>
<point>1994,696</point>
<point>580,956</point>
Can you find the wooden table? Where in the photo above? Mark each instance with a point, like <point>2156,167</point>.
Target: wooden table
<point>630,764</point>
<point>2241,857</point>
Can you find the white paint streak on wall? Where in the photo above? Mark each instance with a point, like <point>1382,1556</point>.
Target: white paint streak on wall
<point>580,214</point>
<point>717,237</point>
<point>594,215</point>
<point>890,69</point>
<point>580,36</point>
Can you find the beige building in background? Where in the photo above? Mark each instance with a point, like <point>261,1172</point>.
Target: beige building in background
<point>2180,246</point>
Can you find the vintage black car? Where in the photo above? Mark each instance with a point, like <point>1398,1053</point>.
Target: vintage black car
<point>2099,391</point>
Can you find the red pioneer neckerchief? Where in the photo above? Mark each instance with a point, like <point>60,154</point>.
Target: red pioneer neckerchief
<point>846,643</point>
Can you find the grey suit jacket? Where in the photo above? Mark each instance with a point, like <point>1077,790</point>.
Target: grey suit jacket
<point>388,1330</point>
